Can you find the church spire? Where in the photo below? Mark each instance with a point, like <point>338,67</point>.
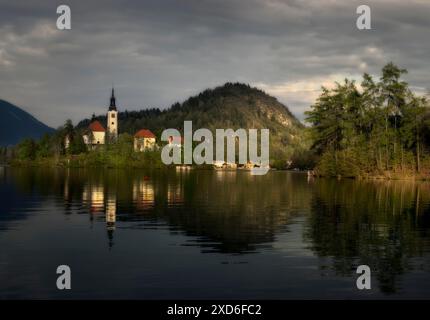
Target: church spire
<point>112,105</point>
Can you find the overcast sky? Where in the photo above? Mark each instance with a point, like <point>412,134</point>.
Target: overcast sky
<point>160,52</point>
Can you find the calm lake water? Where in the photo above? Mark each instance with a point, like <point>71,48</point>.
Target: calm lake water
<point>204,234</point>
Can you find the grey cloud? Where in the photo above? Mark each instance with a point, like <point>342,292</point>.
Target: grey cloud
<point>158,52</point>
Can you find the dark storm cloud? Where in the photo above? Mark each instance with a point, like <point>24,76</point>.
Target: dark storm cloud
<point>158,52</point>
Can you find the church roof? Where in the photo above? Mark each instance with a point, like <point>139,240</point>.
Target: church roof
<point>112,105</point>
<point>96,126</point>
<point>144,133</point>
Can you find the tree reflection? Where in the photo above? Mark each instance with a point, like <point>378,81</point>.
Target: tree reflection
<point>381,224</point>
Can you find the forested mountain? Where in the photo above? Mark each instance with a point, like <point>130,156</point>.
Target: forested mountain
<point>233,105</point>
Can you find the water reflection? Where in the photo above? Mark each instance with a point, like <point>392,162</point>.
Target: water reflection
<point>2,172</point>
<point>99,202</point>
<point>175,195</point>
<point>383,224</point>
<point>94,197</point>
<point>143,194</point>
<point>345,223</point>
<point>110,214</point>
<point>226,211</point>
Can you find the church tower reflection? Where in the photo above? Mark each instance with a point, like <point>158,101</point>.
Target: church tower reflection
<point>110,213</point>
<point>100,201</point>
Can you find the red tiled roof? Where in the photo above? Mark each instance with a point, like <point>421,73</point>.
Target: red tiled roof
<point>144,133</point>
<point>96,126</point>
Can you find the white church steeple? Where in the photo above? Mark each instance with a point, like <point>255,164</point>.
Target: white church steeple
<point>112,117</point>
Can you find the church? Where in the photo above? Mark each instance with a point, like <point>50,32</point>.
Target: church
<point>97,135</point>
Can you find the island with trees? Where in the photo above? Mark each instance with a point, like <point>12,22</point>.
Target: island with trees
<point>378,128</point>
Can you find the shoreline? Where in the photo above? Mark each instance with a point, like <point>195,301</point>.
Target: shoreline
<point>390,176</point>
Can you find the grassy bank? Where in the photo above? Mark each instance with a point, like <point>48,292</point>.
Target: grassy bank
<point>99,158</point>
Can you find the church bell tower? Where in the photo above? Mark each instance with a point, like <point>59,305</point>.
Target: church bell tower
<point>112,118</point>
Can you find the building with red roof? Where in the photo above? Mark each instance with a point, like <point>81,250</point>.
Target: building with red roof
<point>144,133</point>
<point>96,134</point>
<point>144,140</point>
<point>96,126</point>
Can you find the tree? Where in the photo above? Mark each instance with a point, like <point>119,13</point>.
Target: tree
<point>76,143</point>
<point>379,127</point>
<point>44,146</point>
<point>26,149</point>
<point>393,93</point>
<point>413,125</point>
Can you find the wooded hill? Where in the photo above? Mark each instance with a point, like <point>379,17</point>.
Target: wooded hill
<point>233,105</point>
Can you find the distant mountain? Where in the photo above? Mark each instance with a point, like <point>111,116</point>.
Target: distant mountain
<point>233,105</point>
<point>17,124</point>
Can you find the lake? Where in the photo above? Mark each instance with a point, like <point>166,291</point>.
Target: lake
<point>163,234</point>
